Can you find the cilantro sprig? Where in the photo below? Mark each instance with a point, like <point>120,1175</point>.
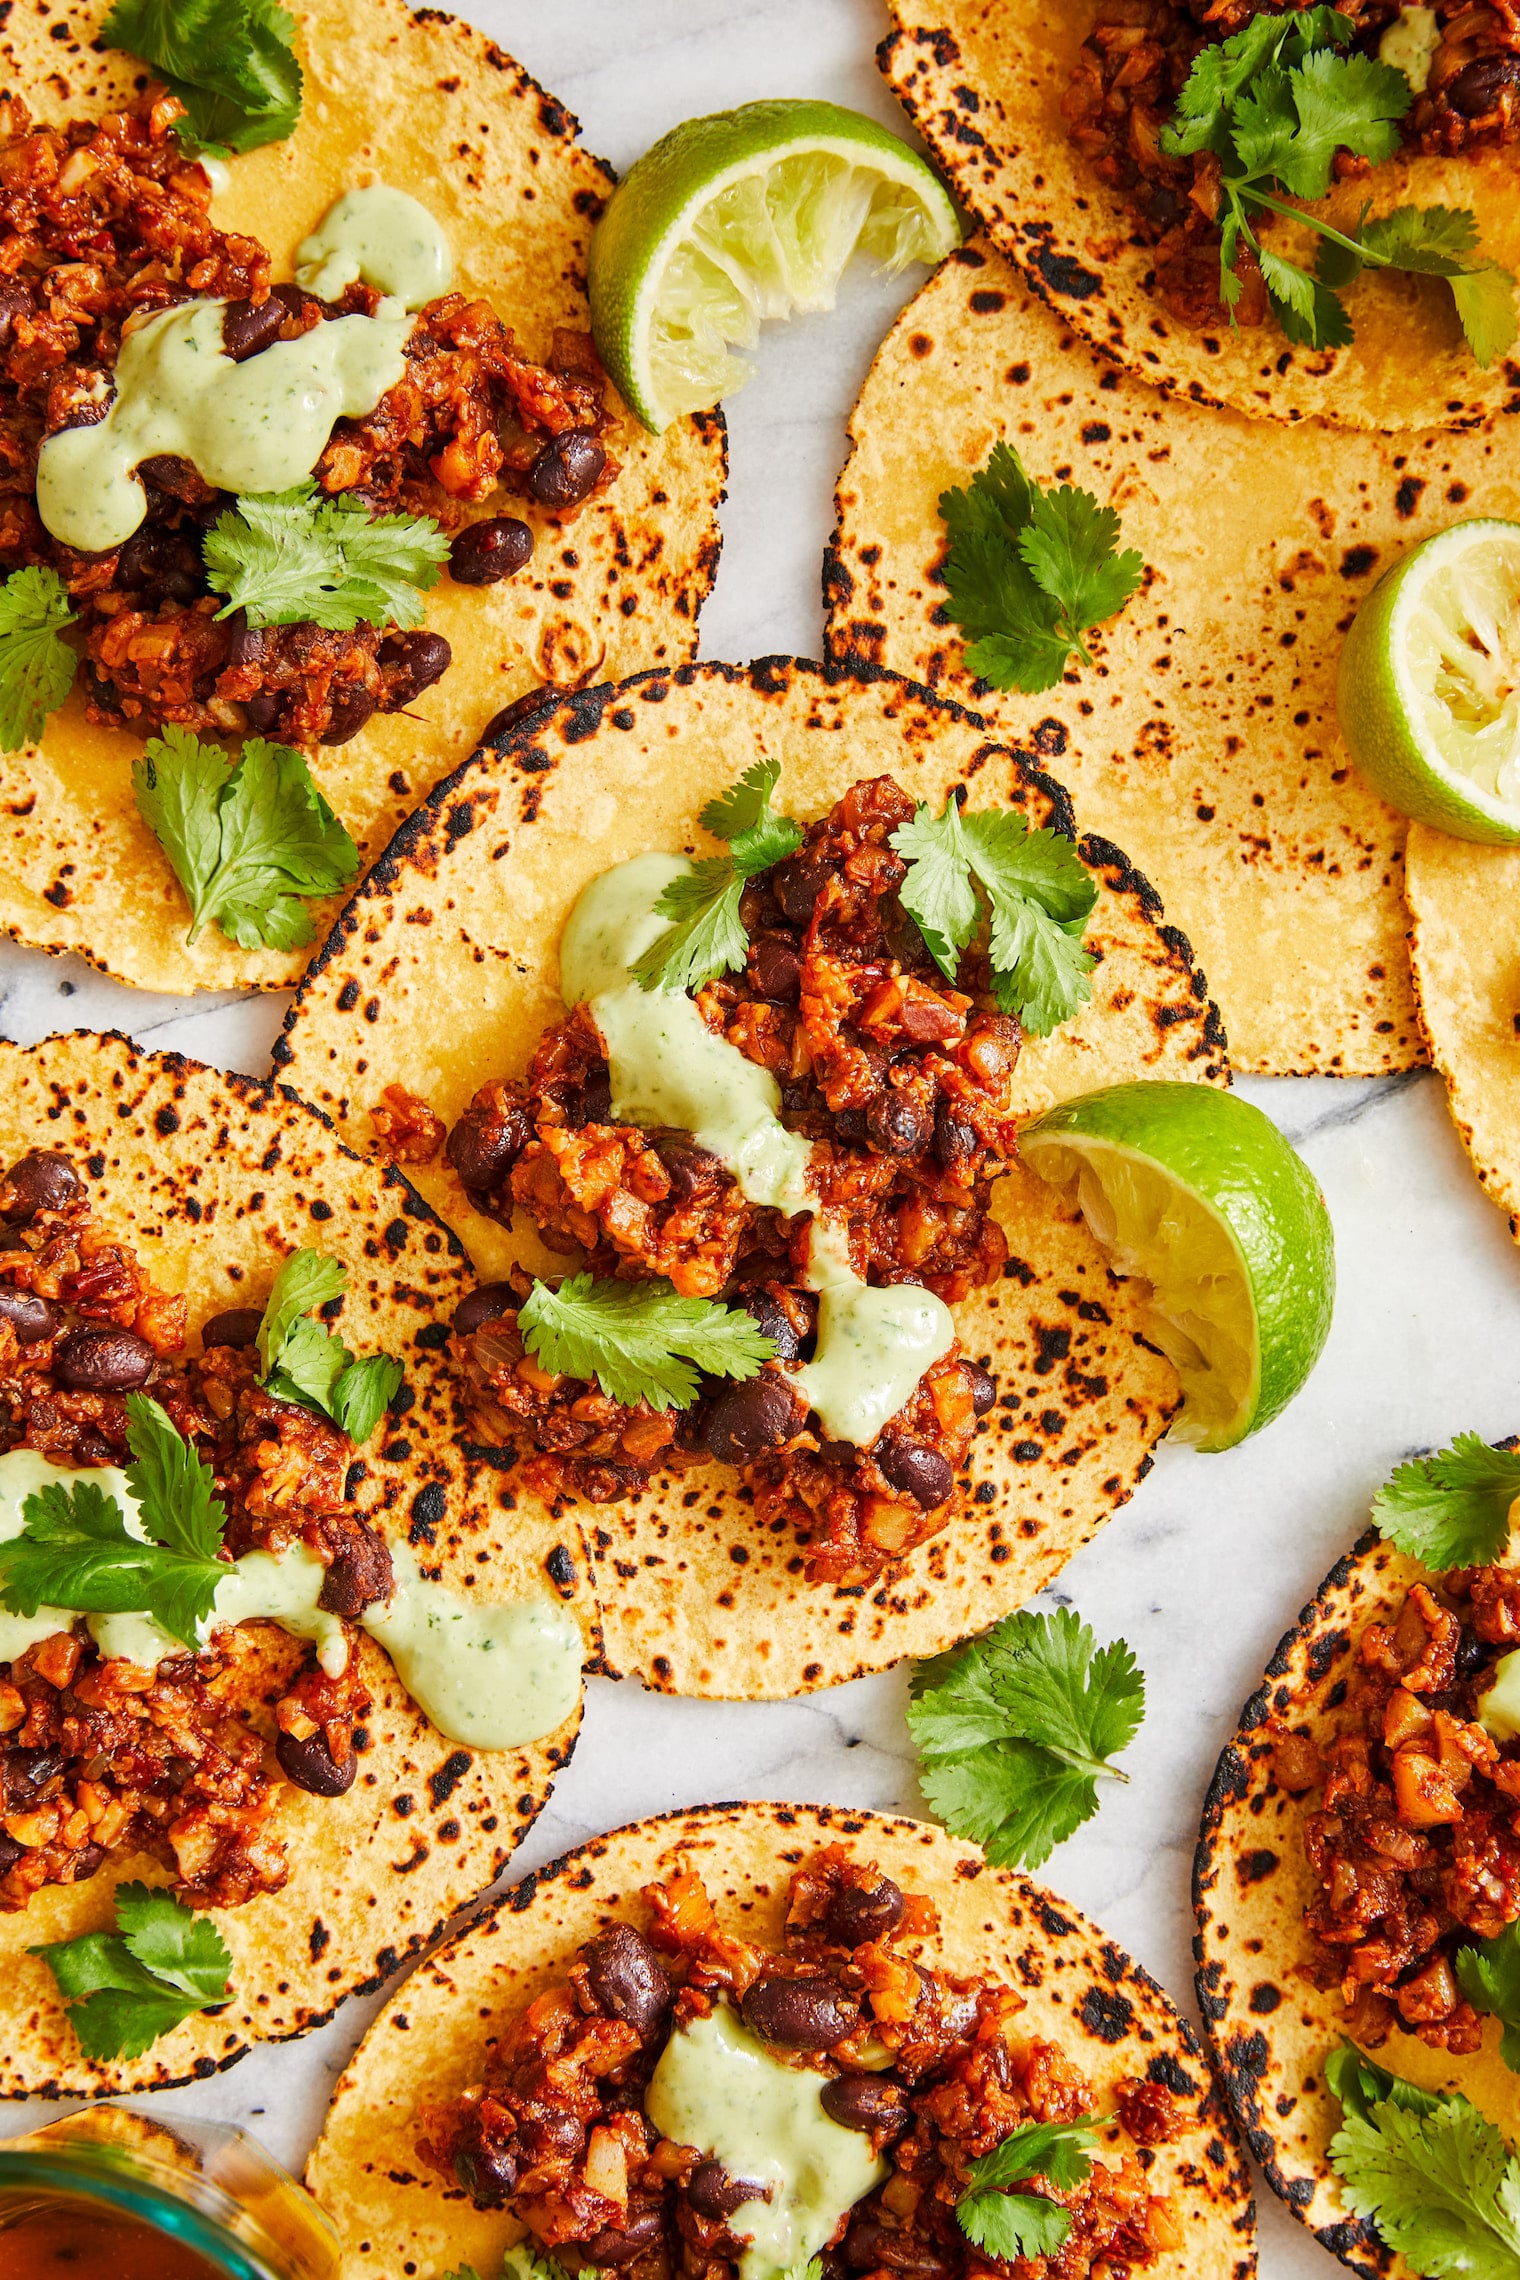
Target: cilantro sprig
<point>77,1551</point>
<point>1029,571</point>
<point>708,936</point>
<point>1009,2224</point>
<point>1039,893</point>
<point>36,664</point>
<point>302,1360</point>
<point>640,1341</point>
<point>1435,2177</point>
<point>1488,1973</point>
<point>248,839</point>
<point>288,557</point>
<point>1015,1730</point>
<point>1451,1510</point>
<point>229,62</point>
<point>124,1989</point>
<point>1275,103</point>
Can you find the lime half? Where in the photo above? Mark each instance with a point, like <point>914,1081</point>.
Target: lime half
<point>1429,688</point>
<point>1197,1193</point>
<point>749,214</point>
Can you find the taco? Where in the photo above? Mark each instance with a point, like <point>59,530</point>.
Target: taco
<point>253,1752</point>
<point>560,540</point>
<point>1468,983</point>
<point>737,1553</point>
<point>1205,742</point>
<point>1052,125</point>
<point>1353,1879</point>
<point>935,2007</point>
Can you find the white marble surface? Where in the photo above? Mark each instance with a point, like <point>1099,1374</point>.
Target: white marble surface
<point>1214,1557</point>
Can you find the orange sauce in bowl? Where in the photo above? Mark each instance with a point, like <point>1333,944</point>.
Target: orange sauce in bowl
<point>65,2236</point>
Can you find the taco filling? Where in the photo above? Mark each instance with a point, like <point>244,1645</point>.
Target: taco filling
<point>1461,62</point>
<point>809,1135</point>
<point>1413,1840</point>
<point>685,2101</point>
<point>153,1503</point>
<point>151,377</point>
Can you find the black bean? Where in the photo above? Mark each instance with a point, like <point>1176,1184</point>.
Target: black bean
<point>866,2102</point>
<point>1162,205</point>
<point>486,552</point>
<point>593,1103</point>
<point>896,1124</point>
<point>261,712</point>
<point>29,1316</point>
<point>501,724</point>
<point>42,1181</point>
<point>554,2132</point>
<point>238,1326</point>
<point>861,1912</point>
<point>312,1766</point>
<point>487,2172</point>
<point>246,329</point>
<point>295,300</point>
<point>1481,86</point>
<point>100,1359</point>
<point>777,1323</point>
<point>716,2195</point>
<point>566,469</point>
<point>486,1143</point>
<point>24,1770</point>
<point>689,1166</point>
<point>744,1420</point>
<point>249,645</point>
<point>775,969</point>
<point>412,662</point>
<point>86,1861</point>
<point>92,1448</point>
<point>10,1852</point>
<point>644,2229</point>
<point>955,1143</point>
<point>627,1979</point>
<point>1472,1654</point>
<point>166,471</point>
<point>797,884</point>
<point>801,2014</point>
<point>983,1387</point>
<point>489,1303</point>
<point>868,2244</point>
<point>360,1574</point>
<point>350,704</point>
<point>918,1472</point>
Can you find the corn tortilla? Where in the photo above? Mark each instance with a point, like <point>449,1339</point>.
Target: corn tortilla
<point>432,106</point>
<point>443,971</point>
<point>1083,1993</point>
<point>214,1179</point>
<point>982,80</point>
<point>1204,739</point>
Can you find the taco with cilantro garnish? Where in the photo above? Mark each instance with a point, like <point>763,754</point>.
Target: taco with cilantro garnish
<point>1294,212</point>
<point>282,1678</point>
<point>794,1193</point>
<point>777,2037</point>
<point>310,467</point>
<point>1357,1885</point>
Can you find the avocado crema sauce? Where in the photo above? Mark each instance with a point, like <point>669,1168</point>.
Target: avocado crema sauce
<point>261,425</point>
<point>667,1067</point>
<point>719,2089</point>
<point>490,1675</point>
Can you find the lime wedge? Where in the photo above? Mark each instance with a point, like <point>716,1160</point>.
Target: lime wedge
<point>1429,688</point>
<point>749,214</point>
<point>1197,1193</point>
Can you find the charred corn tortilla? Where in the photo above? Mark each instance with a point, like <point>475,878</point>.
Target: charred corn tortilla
<point>443,971</point>
<point>214,1179</point>
<point>1467,974</point>
<point>1204,740</point>
<point>982,80</point>
<point>1269,2030</point>
<point>1083,1992</point>
<point>431,106</point>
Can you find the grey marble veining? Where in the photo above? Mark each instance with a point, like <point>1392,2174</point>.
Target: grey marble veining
<point>1214,1557</point>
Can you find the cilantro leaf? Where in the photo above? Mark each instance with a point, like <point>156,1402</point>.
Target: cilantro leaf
<point>175,1492</point>
<point>308,1280</point>
<point>708,937</point>
<point>1451,1509</point>
<point>1009,2224</point>
<point>1039,892</point>
<point>36,664</point>
<point>1485,298</point>
<point>1028,571</point>
<point>124,1989</point>
<point>302,1360</point>
<point>228,61</point>
<point>290,556</point>
<point>247,839</point>
<point>1014,1730</point>
<point>1440,2184</point>
<point>363,1394</point>
<point>1358,2084</point>
<point>1489,1975</point>
<point>640,1341</point>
